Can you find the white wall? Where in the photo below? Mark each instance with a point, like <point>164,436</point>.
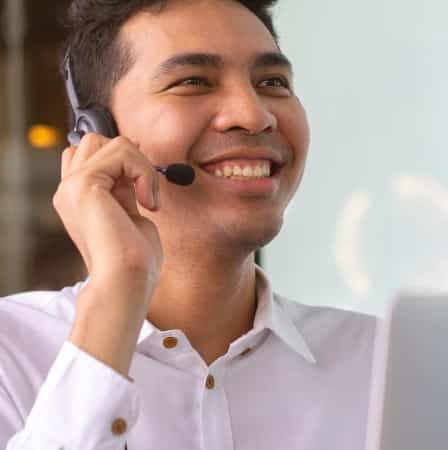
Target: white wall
<point>371,215</point>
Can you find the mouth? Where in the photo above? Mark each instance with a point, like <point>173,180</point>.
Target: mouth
<point>245,177</point>
<point>243,169</point>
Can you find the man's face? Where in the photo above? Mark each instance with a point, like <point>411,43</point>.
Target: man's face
<point>206,119</point>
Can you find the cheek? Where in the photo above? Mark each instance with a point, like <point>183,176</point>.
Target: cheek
<point>294,127</point>
<point>166,132</point>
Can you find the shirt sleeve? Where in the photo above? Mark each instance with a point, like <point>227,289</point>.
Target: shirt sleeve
<point>83,404</point>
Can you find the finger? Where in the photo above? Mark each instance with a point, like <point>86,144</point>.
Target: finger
<point>120,158</point>
<point>146,197</point>
<point>66,159</point>
<point>120,143</point>
<point>88,146</point>
<point>124,192</point>
<point>140,192</point>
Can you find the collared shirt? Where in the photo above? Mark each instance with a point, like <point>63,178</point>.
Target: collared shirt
<point>299,380</point>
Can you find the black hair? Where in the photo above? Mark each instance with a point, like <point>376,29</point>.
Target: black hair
<point>99,59</point>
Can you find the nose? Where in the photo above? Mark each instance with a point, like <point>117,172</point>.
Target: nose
<point>243,109</point>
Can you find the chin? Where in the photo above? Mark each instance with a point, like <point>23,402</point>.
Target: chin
<point>252,236</point>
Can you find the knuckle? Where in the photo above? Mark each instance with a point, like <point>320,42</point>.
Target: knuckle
<point>59,199</point>
<point>122,141</point>
<point>123,152</point>
<point>89,138</point>
<point>56,200</point>
<point>128,153</point>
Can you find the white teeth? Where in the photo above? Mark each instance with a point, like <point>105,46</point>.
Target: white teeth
<point>247,171</point>
<point>228,171</point>
<point>262,170</point>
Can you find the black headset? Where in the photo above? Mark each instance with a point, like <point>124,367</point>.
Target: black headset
<point>93,118</point>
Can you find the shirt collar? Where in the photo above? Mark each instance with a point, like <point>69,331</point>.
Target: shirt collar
<point>269,314</point>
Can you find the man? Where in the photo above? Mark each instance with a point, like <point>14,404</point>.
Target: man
<point>176,341</point>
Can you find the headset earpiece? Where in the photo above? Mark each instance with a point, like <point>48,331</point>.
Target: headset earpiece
<point>95,118</point>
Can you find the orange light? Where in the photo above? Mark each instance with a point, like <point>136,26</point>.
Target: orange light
<point>44,136</point>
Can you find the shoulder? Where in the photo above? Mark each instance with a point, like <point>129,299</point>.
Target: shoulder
<point>59,305</point>
<point>36,320</point>
<point>34,326</point>
<point>308,316</point>
<point>331,329</point>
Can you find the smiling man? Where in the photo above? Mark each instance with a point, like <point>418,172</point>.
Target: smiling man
<point>176,341</point>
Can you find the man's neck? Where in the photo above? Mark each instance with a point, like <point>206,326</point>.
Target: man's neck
<point>212,303</point>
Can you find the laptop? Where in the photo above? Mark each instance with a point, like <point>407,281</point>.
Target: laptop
<point>409,392</point>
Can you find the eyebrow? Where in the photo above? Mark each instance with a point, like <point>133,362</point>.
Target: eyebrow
<point>262,60</point>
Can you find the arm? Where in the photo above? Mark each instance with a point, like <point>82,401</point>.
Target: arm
<point>76,407</point>
<point>88,389</point>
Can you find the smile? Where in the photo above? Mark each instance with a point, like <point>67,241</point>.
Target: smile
<point>240,169</point>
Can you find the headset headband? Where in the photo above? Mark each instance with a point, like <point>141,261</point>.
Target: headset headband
<point>69,84</point>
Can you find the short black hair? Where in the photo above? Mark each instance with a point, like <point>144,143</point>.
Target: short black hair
<point>98,59</point>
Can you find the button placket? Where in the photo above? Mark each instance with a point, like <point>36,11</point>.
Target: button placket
<point>215,409</point>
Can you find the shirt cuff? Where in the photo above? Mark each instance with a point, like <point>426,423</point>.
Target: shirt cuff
<point>84,403</point>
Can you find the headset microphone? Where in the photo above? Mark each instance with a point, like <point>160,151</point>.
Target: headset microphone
<point>182,174</point>
<point>100,120</point>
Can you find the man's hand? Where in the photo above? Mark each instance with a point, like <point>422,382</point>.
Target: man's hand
<point>101,182</point>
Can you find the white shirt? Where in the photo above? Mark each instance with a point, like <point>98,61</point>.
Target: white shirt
<point>303,385</point>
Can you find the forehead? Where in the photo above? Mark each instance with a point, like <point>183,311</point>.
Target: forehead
<point>223,27</point>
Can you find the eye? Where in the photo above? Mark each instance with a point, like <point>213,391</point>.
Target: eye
<point>192,81</point>
<point>280,82</point>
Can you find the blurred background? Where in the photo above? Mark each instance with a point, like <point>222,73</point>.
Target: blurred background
<point>371,214</point>
<point>35,252</point>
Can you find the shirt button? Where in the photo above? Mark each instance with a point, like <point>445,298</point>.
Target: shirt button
<point>210,382</point>
<point>245,352</point>
<point>119,427</point>
<point>170,342</point>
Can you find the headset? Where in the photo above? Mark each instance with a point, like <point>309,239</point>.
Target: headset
<point>98,119</point>
<point>94,118</point>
